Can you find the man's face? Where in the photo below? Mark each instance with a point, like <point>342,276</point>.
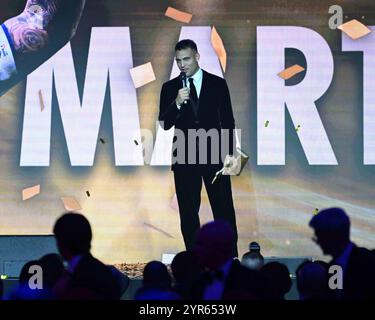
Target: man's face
<point>324,242</point>
<point>187,61</point>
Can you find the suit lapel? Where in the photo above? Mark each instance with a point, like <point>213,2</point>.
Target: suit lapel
<point>203,93</point>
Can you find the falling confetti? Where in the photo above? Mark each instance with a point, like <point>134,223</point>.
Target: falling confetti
<point>290,72</point>
<point>158,229</point>
<point>218,45</point>
<point>41,101</point>
<point>354,29</point>
<point>31,192</point>
<point>142,75</point>
<point>178,15</point>
<point>70,203</point>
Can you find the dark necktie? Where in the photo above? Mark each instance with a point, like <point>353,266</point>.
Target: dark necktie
<point>193,91</point>
<point>193,96</point>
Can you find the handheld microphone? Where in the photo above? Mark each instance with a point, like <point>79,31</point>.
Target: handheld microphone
<point>183,78</point>
<point>184,82</point>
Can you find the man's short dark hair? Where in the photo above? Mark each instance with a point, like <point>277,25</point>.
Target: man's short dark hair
<point>331,221</point>
<point>185,44</point>
<point>73,230</point>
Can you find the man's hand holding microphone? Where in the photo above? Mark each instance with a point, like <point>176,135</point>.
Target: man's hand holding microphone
<point>184,93</point>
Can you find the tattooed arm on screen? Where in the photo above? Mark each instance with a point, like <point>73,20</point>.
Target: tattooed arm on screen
<point>29,39</point>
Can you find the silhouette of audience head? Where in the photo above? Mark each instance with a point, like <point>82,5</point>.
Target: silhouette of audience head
<point>185,267</point>
<point>253,259</point>
<point>332,230</point>
<point>25,289</point>
<point>214,244</point>
<point>186,271</point>
<point>277,279</point>
<point>73,235</point>
<point>156,283</point>
<point>155,274</point>
<point>254,246</point>
<point>312,280</point>
<point>25,276</point>
<point>53,268</point>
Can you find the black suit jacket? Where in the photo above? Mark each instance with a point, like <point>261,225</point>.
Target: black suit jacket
<point>359,277</point>
<point>214,112</point>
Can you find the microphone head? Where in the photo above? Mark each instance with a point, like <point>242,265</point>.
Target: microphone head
<point>183,78</point>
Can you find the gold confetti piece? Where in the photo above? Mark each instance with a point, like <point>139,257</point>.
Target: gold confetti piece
<point>142,75</point>
<point>218,45</point>
<point>178,15</point>
<point>71,204</point>
<point>354,29</point>
<point>266,124</point>
<point>41,101</point>
<point>298,128</point>
<point>30,192</point>
<point>290,72</point>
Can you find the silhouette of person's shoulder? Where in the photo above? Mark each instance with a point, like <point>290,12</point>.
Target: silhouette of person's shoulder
<point>95,276</point>
<point>360,254</point>
<point>242,283</point>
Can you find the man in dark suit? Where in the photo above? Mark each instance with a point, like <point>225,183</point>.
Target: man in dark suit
<point>200,109</point>
<point>86,278</point>
<point>332,234</point>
